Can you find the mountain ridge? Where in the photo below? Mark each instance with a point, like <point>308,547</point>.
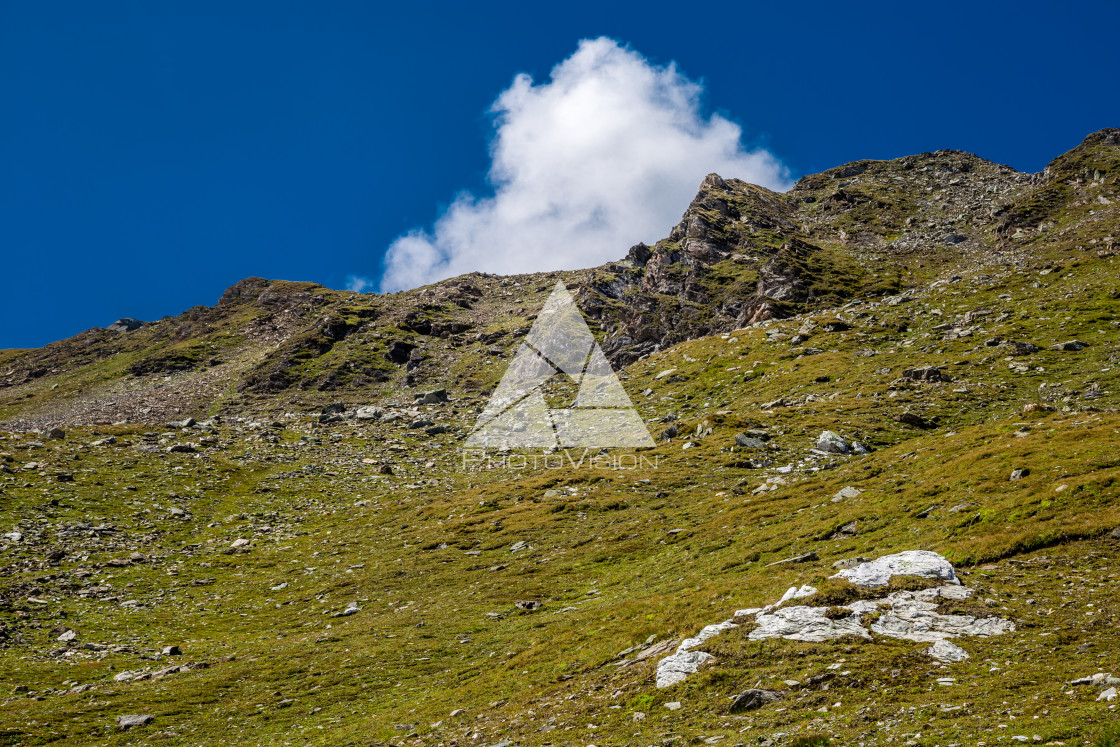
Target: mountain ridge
<point>741,254</point>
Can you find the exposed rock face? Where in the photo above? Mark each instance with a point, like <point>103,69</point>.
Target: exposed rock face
<point>125,324</point>
<point>910,563</point>
<point>806,624</point>
<point>676,668</point>
<point>913,616</point>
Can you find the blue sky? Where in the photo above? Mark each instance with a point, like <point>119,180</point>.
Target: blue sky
<point>152,154</point>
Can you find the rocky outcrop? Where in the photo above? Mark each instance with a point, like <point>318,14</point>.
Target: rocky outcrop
<point>908,615</point>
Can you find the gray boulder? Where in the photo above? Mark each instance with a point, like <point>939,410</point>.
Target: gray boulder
<point>924,373</point>
<point>127,722</point>
<point>749,442</point>
<point>833,443</point>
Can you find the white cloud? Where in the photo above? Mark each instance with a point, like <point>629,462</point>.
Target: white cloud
<point>358,284</point>
<point>607,153</point>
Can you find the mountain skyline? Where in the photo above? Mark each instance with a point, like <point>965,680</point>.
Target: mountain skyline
<point>151,157</point>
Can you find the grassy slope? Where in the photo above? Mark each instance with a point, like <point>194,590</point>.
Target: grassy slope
<point>602,560</point>
<point>613,559</point>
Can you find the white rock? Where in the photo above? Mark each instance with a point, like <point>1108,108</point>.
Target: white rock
<point>705,633</point>
<point>13,536</point>
<point>911,615</point>
<point>832,442</point>
<point>947,652</point>
<point>848,492</point>
<point>1109,694</point>
<point>916,620</point>
<point>796,593</point>
<point>675,668</point>
<point>910,563</point>
<point>805,624</point>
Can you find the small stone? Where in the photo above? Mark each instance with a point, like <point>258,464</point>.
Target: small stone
<point>803,558</point>
<point>1072,346</point>
<point>127,722</point>
<point>673,706</point>
<point>915,420</point>
<point>1109,694</point>
<point>180,449</point>
<point>924,373</point>
<point>433,397</point>
<point>240,542</point>
<point>171,651</point>
<point>750,700</point>
<point>946,652</point>
<point>833,443</point>
<point>749,442</point>
<point>848,492</point>
<point>57,433</point>
<point>1019,474</point>
<point>67,636</point>
<point>368,413</point>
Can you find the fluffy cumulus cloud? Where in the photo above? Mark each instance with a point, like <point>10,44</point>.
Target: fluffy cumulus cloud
<point>605,154</point>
